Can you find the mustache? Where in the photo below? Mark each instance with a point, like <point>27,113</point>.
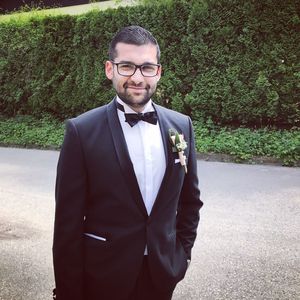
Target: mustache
<point>132,84</point>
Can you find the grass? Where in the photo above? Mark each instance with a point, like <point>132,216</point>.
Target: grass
<point>242,144</point>
<point>23,15</point>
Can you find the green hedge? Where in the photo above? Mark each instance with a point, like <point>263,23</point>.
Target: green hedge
<point>233,62</point>
<point>248,54</point>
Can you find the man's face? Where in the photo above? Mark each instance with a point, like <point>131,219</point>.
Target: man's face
<point>135,90</point>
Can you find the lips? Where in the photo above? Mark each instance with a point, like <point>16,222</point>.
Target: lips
<point>135,87</point>
<point>131,85</point>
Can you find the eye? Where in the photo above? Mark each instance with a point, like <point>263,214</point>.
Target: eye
<point>126,67</point>
<point>149,68</point>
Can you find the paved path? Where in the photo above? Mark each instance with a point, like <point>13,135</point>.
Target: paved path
<point>248,245</point>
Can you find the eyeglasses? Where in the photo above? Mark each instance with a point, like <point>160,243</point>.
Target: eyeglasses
<point>129,69</point>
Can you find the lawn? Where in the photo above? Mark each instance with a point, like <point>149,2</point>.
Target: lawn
<point>68,10</point>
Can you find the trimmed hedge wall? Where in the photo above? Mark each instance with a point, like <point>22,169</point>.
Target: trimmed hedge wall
<point>234,62</point>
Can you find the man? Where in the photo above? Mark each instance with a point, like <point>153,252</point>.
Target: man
<point>127,197</point>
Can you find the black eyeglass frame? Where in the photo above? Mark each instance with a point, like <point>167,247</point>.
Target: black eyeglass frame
<point>136,67</point>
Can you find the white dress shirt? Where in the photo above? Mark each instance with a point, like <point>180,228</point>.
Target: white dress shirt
<point>146,151</point>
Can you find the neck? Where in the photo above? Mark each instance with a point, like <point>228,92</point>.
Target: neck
<point>137,109</point>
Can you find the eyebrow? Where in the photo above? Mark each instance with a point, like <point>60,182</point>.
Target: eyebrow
<point>130,62</point>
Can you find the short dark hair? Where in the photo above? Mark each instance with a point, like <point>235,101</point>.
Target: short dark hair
<point>133,35</point>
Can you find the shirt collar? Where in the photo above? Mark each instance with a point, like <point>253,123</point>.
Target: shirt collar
<point>127,109</point>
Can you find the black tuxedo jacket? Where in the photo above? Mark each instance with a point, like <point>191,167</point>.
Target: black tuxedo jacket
<point>97,193</point>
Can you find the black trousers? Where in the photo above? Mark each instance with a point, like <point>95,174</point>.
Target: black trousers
<point>145,289</point>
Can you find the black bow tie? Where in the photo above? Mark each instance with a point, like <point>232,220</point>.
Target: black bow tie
<point>132,119</point>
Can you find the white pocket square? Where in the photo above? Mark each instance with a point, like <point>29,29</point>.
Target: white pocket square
<point>177,160</point>
<point>100,238</point>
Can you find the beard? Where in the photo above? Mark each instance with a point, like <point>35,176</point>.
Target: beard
<point>131,99</point>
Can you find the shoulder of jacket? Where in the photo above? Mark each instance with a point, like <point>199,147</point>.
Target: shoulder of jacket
<point>90,116</point>
<point>170,112</point>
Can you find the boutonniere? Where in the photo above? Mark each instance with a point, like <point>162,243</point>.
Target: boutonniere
<point>179,145</point>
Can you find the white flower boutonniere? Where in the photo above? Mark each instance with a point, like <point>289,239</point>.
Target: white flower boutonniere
<point>179,145</point>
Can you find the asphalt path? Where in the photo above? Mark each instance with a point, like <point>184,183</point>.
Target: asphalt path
<point>248,244</point>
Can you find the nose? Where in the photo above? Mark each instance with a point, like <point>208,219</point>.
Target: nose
<point>137,76</point>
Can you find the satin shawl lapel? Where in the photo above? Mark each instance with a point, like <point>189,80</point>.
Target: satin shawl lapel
<point>123,155</point>
<point>164,125</point>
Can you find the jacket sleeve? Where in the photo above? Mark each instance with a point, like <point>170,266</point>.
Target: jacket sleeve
<point>189,203</point>
<point>70,197</point>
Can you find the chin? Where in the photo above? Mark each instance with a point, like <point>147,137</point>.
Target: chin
<point>135,101</point>
<point>141,102</point>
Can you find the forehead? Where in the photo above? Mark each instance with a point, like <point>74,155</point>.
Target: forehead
<point>136,54</point>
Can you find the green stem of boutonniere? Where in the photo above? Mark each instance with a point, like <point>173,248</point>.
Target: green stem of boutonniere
<point>179,145</point>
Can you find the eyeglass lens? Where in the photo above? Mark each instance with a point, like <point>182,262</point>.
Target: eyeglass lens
<point>147,70</point>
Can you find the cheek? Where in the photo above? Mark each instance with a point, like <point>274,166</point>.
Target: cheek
<point>118,84</point>
<point>153,82</point>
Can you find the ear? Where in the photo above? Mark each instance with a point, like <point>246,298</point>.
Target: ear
<point>160,70</point>
<point>109,69</point>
